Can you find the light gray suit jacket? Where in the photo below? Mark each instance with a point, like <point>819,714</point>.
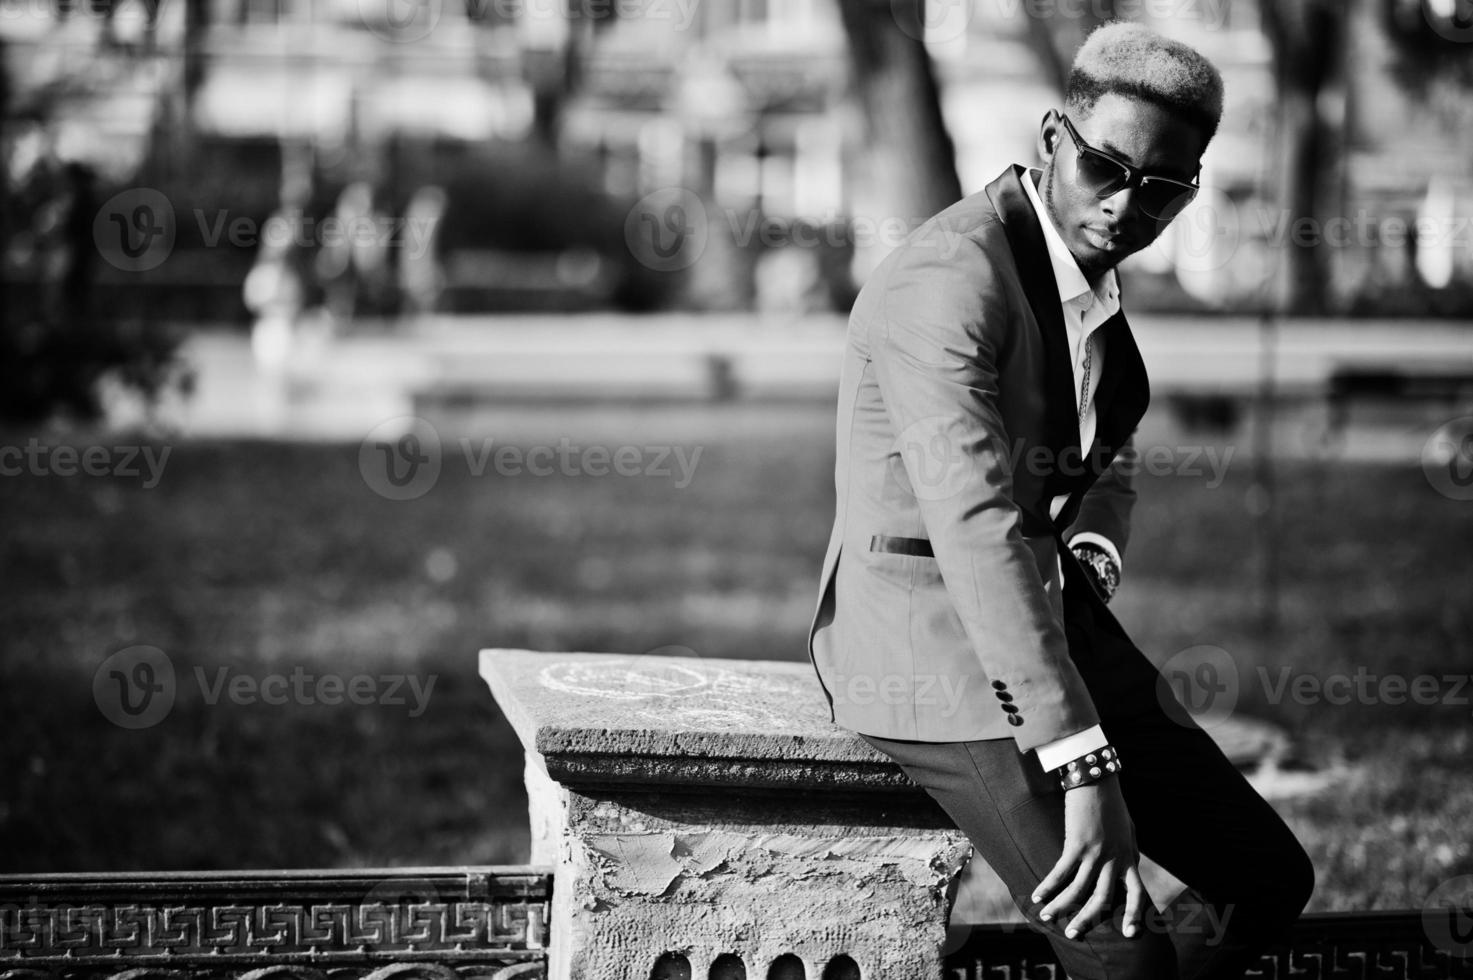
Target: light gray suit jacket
<point>957,426</point>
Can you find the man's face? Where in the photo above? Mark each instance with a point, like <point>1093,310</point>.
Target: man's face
<point>1102,232</point>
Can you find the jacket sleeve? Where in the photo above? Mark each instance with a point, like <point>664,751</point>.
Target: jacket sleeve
<point>936,346</point>
<point>1107,504</point>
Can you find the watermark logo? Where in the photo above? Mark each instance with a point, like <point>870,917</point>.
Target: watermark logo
<point>1447,459</point>
<point>935,21</point>
<point>1206,235</point>
<point>400,21</point>
<point>1451,20</point>
<point>135,229</point>
<point>401,458</point>
<point>667,230</point>
<point>1447,917</point>
<point>1202,679</point>
<point>409,906</point>
<point>135,688</point>
<point>928,455</point>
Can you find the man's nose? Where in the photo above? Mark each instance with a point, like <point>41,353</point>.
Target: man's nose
<point>1120,204</point>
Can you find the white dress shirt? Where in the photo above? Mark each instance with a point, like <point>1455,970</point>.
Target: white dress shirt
<point>1085,308</point>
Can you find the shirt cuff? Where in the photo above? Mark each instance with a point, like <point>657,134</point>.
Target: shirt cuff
<point>1054,754</point>
<point>1089,537</point>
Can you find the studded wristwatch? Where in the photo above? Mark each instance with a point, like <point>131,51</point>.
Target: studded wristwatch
<point>1102,568</point>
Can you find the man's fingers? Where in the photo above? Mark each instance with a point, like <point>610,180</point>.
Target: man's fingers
<point>1099,899</point>
<point>1084,880</point>
<point>1061,872</point>
<point>1135,899</point>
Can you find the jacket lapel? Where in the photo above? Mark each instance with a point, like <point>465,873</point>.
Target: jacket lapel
<point>1124,390</point>
<point>1120,401</point>
<point>1030,254</point>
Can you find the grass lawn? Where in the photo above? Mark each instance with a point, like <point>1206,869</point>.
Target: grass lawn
<point>263,558</point>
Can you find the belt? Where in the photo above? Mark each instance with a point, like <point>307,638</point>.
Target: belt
<point>901,546</point>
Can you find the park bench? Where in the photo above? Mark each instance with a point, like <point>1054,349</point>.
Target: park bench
<point>690,818</point>
<point>1449,384</point>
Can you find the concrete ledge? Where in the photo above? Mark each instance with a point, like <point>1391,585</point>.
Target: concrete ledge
<point>699,812</point>
<point>600,719</point>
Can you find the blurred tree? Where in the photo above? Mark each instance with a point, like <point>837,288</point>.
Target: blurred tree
<point>1055,39</point>
<point>1431,57</point>
<point>555,72</point>
<point>192,75</point>
<point>60,341</point>
<point>1308,40</point>
<point>59,345</point>
<point>5,201</point>
<point>912,160</point>
<point>1430,62</point>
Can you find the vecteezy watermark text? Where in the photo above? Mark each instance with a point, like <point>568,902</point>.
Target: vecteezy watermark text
<point>136,230</point>
<point>120,462</point>
<point>1364,230</point>
<point>402,459</point>
<point>941,21</point>
<point>1207,681</point>
<point>940,459</point>
<point>301,687</point>
<point>411,234</point>
<point>940,691</point>
<point>1363,687</point>
<point>138,686</point>
<point>680,14</point>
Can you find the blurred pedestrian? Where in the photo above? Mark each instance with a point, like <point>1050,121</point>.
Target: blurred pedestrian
<point>421,276</point>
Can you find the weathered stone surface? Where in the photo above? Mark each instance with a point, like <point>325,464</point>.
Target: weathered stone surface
<point>709,807</point>
<point>602,718</point>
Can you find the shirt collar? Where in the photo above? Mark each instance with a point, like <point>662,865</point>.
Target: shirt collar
<point>1073,287</point>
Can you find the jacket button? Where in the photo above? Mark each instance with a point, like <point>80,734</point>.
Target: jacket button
<point>999,685</point>
<point>1014,720</point>
<point>1011,709</point>
<point>1003,695</point>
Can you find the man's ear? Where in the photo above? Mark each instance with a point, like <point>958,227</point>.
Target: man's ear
<point>1049,131</point>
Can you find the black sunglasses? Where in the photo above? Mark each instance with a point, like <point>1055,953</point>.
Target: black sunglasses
<point>1102,175</point>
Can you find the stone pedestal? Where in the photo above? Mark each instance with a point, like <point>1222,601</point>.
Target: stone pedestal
<point>706,812</point>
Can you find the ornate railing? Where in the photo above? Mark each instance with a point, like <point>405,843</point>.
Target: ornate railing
<point>1324,946</point>
<point>491,924</point>
<point>416,924</point>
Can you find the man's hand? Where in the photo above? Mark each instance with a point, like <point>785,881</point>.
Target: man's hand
<point>1099,849</point>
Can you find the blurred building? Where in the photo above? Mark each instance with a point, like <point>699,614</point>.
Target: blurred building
<point>341,72</point>
<point>744,103</point>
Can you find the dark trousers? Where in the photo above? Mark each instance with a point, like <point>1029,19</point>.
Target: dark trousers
<point>1247,876</point>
